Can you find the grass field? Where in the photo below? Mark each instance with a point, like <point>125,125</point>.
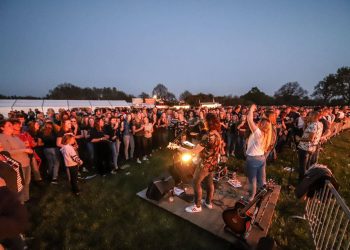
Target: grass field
<point>109,215</point>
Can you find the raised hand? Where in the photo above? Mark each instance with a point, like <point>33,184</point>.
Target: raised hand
<point>253,107</point>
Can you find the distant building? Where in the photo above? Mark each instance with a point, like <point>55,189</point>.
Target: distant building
<point>143,103</point>
<point>150,101</point>
<point>137,102</point>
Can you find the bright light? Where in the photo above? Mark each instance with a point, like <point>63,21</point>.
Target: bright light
<point>186,157</point>
<point>155,97</point>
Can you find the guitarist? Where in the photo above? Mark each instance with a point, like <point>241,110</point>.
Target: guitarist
<point>258,145</point>
<point>209,150</point>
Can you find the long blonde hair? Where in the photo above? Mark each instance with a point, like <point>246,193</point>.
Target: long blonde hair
<point>266,128</point>
<point>67,139</point>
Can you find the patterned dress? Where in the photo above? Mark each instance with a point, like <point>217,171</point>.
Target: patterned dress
<point>211,142</point>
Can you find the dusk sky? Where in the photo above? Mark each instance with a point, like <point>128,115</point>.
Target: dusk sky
<point>220,47</point>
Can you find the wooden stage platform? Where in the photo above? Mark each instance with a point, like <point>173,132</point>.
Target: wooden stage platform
<point>211,220</point>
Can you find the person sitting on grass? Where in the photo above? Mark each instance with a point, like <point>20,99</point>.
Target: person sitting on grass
<point>71,161</point>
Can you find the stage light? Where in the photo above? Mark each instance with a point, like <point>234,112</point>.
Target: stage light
<point>186,157</point>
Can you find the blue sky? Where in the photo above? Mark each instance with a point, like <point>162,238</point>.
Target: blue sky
<point>220,47</point>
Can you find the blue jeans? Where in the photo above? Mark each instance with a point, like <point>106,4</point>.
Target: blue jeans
<point>53,161</point>
<point>305,158</point>
<point>129,144</point>
<point>115,146</point>
<point>230,143</point>
<point>254,169</point>
<point>91,150</point>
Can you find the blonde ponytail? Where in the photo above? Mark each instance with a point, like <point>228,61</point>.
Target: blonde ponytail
<point>266,128</point>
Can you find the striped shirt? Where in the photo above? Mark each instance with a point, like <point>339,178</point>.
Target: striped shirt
<point>71,159</point>
<point>16,166</point>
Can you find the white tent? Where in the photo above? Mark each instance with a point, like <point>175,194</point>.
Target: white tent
<point>100,104</point>
<point>55,105</point>
<point>6,106</point>
<point>25,105</point>
<point>79,104</point>
<point>120,104</point>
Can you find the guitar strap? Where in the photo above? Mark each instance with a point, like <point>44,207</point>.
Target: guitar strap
<point>255,214</point>
<point>264,208</point>
<point>254,220</point>
<point>251,222</point>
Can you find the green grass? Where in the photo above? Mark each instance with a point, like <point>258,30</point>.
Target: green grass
<point>292,233</point>
<point>109,215</point>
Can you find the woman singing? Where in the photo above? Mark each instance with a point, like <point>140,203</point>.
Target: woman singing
<point>209,150</point>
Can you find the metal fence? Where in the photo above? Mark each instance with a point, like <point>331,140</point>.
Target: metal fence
<point>336,128</point>
<point>328,217</point>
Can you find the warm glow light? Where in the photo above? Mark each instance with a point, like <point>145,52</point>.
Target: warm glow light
<point>186,157</point>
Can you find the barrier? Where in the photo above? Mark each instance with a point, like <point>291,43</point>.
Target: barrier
<point>328,217</point>
<point>337,128</point>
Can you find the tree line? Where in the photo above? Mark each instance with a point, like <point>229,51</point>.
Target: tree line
<point>334,89</point>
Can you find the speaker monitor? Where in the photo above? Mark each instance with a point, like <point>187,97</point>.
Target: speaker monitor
<point>158,188</point>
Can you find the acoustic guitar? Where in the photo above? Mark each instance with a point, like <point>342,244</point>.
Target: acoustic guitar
<point>238,219</point>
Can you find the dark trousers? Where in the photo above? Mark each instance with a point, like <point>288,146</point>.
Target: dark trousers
<point>163,137</point>
<point>91,155</point>
<point>240,146</point>
<point>304,162</point>
<point>315,155</point>
<point>73,172</point>
<point>155,139</point>
<point>203,174</point>
<point>139,152</point>
<point>102,157</point>
<point>147,145</point>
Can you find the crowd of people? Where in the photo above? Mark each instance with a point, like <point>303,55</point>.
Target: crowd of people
<point>36,146</point>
